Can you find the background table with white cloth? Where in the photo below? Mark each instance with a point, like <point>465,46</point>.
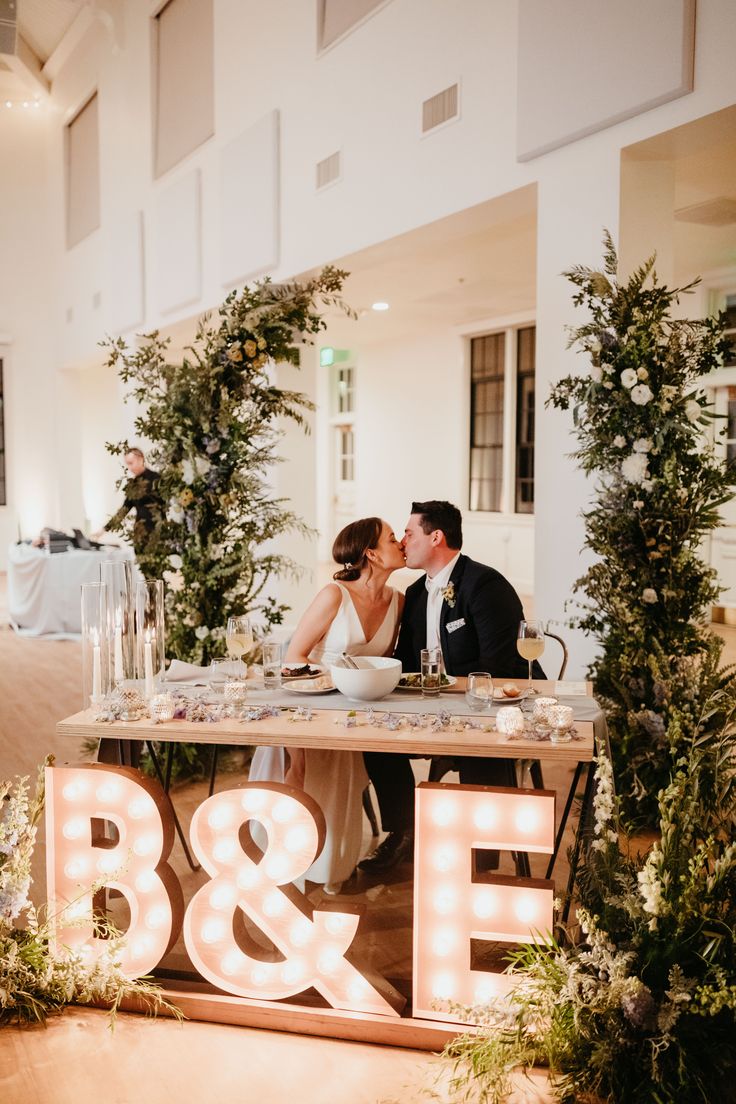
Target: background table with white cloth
<point>44,597</point>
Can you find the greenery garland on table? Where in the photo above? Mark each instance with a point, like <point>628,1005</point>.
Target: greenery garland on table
<point>639,1006</point>
<point>212,424</point>
<point>641,419</point>
<point>35,979</point>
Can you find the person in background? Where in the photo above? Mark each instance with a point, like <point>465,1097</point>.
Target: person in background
<point>141,495</point>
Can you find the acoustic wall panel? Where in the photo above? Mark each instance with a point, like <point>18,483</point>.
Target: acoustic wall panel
<point>249,208</point>
<point>178,243</point>
<point>126,272</point>
<point>587,64</point>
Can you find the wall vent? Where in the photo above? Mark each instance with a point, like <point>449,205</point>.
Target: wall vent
<point>440,108</point>
<point>714,212</point>
<point>328,171</point>
<point>8,27</point>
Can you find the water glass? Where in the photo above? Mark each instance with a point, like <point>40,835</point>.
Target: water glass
<point>271,665</point>
<point>431,671</point>
<point>218,674</point>
<point>479,691</point>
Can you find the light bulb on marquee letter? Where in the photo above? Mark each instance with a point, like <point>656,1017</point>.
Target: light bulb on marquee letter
<point>450,908</point>
<point>76,863</point>
<point>314,943</point>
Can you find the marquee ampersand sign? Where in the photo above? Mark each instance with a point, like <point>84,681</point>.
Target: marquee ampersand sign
<point>312,943</point>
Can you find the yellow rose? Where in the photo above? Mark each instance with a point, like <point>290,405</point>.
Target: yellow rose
<point>186,497</point>
<point>234,353</point>
<point>250,348</point>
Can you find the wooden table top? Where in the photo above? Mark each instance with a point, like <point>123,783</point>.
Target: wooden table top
<point>328,729</point>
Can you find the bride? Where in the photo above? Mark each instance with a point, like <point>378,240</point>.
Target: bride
<point>358,614</point>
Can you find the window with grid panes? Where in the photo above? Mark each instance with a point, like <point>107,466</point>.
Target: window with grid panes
<point>344,389</point>
<point>524,482</point>
<point>730,362</point>
<point>346,454</point>
<point>3,492</point>
<point>487,355</point>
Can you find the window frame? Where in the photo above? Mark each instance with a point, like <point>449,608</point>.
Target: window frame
<point>509,326</point>
<point>340,421</point>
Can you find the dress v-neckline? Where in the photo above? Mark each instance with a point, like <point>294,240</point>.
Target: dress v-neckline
<point>366,641</point>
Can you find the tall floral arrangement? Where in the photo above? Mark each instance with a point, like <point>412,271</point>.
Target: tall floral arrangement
<point>641,420</point>
<point>35,979</point>
<point>638,1006</point>
<point>212,424</point>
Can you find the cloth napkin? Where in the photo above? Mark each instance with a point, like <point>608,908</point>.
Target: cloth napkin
<point>179,671</point>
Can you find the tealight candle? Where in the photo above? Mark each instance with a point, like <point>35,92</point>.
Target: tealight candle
<point>510,720</point>
<point>236,690</point>
<point>561,720</point>
<point>162,707</point>
<point>542,707</point>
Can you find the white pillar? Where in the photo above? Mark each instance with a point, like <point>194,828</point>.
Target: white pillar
<point>578,198</point>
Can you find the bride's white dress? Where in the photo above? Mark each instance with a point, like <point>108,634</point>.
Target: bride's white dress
<point>335,779</point>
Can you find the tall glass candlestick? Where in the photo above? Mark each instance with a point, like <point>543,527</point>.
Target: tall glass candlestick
<point>149,619</point>
<point>118,575</point>
<point>95,644</point>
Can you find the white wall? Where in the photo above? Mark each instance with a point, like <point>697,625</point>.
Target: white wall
<point>28,257</point>
<point>362,97</point>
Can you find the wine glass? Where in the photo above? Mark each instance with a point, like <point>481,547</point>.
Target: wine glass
<point>530,646</point>
<point>238,638</point>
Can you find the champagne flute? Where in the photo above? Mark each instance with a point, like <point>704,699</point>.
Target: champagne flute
<point>238,638</point>
<point>530,645</point>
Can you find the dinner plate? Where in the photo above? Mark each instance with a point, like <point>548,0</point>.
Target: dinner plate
<point>451,681</point>
<point>309,686</point>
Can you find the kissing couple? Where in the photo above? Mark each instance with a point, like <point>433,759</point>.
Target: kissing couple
<point>467,609</point>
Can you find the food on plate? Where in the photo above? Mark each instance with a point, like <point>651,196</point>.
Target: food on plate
<point>510,690</point>
<point>301,671</point>
<point>416,680</point>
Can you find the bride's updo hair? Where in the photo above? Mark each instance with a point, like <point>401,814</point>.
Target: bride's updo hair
<point>351,545</point>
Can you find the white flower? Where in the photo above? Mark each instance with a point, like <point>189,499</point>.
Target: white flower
<point>187,472</point>
<point>619,441</point>
<point>650,886</point>
<point>641,394</point>
<point>642,373</point>
<point>634,467</point>
<point>594,345</point>
<point>628,377</point>
<point>693,410</point>
<point>642,444</point>
<point>174,580</point>
<point>638,505</point>
<point>176,561</point>
<point>175,512</point>
<point>202,632</point>
<point>202,465</point>
<point>608,385</point>
<point>596,373</point>
<point>649,595</point>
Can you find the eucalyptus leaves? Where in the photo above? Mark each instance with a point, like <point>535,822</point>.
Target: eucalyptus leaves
<point>642,423</point>
<point>212,423</point>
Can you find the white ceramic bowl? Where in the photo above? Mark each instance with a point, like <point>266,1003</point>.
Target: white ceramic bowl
<point>376,677</point>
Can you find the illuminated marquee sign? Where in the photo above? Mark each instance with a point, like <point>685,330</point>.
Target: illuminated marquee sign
<point>110,826</point>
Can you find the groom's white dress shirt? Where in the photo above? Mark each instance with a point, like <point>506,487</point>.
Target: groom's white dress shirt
<point>435,586</point>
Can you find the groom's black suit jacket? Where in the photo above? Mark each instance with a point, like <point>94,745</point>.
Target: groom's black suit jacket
<point>477,633</point>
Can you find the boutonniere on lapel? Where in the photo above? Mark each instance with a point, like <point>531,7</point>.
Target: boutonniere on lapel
<point>448,595</point>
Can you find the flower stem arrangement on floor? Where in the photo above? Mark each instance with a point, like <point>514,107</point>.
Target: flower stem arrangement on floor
<point>35,979</point>
<point>642,422</point>
<point>213,426</point>
<point>640,1006</point>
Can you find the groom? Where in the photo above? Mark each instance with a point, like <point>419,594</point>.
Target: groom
<point>472,612</point>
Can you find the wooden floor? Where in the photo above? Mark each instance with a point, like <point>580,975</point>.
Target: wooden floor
<point>78,1059</point>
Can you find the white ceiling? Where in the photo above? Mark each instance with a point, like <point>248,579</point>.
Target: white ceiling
<point>42,24</point>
